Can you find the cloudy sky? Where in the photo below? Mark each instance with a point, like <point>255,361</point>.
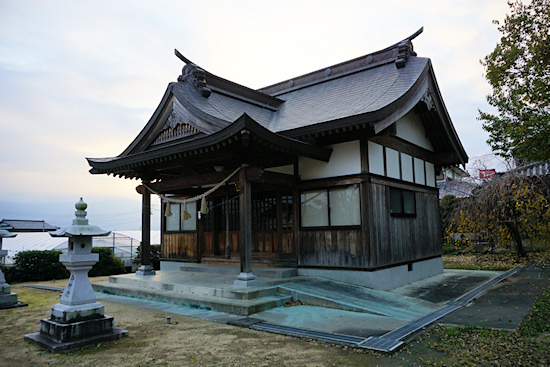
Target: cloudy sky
<point>81,78</point>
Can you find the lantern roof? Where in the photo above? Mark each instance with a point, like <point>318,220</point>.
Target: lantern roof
<point>80,226</point>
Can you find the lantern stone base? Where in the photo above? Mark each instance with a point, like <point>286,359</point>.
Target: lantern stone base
<point>67,314</point>
<point>9,300</point>
<point>57,336</point>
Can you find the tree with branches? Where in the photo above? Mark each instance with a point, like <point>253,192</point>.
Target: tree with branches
<point>504,211</point>
<point>518,71</point>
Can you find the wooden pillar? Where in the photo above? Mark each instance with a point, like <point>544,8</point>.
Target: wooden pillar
<point>245,278</point>
<point>216,221</point>
<point>145,268</point>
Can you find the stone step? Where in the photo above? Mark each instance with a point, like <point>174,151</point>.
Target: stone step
<point>228,269</point>
<point>233,306</point>
<point>221,291</point>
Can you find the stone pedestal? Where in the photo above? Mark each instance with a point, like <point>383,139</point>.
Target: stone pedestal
<point>7,299</point>
<point>246,280</point>
<point>78,319</point>
<point>145,270</point>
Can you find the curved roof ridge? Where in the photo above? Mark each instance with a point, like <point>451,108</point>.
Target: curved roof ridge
<point>398,52</point>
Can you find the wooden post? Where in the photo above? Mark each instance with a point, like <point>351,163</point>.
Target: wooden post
<point>245,278</point>
<point>216,221</point>
<point>145,268</point>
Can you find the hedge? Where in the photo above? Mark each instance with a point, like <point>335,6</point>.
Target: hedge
<point>36,266</point>
<point>44,265</point>
<point>107,264</point>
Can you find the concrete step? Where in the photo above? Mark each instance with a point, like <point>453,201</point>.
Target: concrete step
<point>328,293</point>
<point>229,269</point>
<point>233,306</point>
<point>168,284</point>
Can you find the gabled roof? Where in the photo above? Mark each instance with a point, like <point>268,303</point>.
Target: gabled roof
<point>243,132</point>
<point>369,93</point>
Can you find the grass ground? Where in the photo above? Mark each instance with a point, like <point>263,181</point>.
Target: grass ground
<point>193,342</point>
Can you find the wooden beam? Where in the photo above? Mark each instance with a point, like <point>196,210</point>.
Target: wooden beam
<point>404,147</point>
<point>245,235</point>
<point>255,173</point>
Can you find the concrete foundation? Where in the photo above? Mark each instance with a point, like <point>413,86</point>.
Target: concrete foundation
<point>384,279</point>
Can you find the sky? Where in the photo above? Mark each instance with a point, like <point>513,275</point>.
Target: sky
<point>82,78</point>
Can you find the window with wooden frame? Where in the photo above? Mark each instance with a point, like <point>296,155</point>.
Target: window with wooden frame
<point>178,222</point>
<point>402,202</point>
<point>331,207</point>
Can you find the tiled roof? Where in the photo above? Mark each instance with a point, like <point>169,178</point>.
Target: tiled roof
<point>21,225</point>
<point>369,92</point>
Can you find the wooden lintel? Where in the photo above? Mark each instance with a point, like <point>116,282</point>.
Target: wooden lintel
<point>404,147</point>
<point>331,181</point>
<point>252,174</point>
<point>277,178</point>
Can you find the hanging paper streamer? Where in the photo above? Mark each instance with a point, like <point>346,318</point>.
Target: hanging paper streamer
<point>184,213</point>
<point>168,212</point>
<point>204,208</point>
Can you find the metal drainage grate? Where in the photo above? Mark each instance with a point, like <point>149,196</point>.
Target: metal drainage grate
<point>303,333</point>
<point>380,344</point>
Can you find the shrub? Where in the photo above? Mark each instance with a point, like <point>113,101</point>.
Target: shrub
<point>37,265</point>
<point>9,273</point>
<point>107,264</point>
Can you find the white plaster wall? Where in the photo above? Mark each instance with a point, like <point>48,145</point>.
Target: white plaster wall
<point>419,171</point>
<point>410,128</point>
<point>430,174</point>
<point>288,169</point>
<point>407,167</point>
<point>376,158</point>
<point>344,160</point>
<point>392,163</point>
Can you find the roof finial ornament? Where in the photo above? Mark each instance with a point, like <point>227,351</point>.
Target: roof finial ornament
<point>405,49</point>
<point>199,75</point>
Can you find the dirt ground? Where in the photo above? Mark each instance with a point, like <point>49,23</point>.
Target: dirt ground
<point>153,342</point>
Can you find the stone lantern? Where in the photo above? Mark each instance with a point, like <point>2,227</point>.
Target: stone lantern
<point>78,319</point>
<point>7,299</point>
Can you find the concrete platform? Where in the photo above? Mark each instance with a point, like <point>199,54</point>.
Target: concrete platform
<point>211,287</point>
<point>333,311</point>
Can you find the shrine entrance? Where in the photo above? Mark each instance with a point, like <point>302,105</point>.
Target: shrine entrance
<point>272,225</point>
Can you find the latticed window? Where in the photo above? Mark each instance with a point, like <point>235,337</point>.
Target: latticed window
<point>264,212</point>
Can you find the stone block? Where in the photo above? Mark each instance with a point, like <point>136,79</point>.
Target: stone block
<point>8,300</point>
<point>63,333</point>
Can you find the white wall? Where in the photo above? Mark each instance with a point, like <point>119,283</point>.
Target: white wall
<point>407,167</point>
<point>410,128</point>
<point>344,160</point>
<point>376,158</point>
<point>392,163</point>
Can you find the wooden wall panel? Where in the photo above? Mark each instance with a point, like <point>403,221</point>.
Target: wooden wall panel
<point>402,239</point>
<point>331,248</point>
<point>287,242</point>
<point>179,246</point>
